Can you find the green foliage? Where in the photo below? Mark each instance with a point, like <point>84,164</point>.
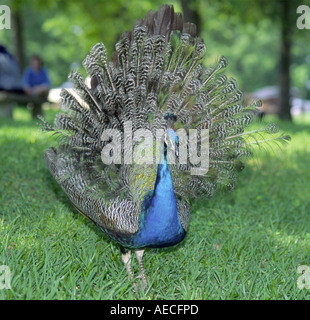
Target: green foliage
<point>63,32</point>
<point>246,244</point>
<point>254,64</point>
<point>247,32</point>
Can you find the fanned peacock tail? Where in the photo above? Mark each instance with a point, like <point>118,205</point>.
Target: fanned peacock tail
<point>157,81</point>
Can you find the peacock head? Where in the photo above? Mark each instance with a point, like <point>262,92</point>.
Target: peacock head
<point>170,118</point>
<point>171,142</point>
<point>171,139</point>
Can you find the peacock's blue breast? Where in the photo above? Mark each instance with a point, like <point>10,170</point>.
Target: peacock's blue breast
<point>160,225</point>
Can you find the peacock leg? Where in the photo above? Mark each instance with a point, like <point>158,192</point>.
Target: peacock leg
<point>139,255</point>
<point>127,262</point>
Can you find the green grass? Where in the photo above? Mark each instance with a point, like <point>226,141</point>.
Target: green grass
<point>246,244</point>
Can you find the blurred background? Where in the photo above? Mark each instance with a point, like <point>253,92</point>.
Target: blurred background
<point>268,54</point>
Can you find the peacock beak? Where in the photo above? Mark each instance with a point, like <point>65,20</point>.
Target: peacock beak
<point>174,146</point>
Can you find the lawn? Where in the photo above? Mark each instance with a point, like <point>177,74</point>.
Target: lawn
<point>246,244</point>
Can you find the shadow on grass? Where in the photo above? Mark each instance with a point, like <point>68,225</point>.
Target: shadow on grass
<point>61,196</point>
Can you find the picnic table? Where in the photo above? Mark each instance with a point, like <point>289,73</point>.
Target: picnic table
<point>9,100</point>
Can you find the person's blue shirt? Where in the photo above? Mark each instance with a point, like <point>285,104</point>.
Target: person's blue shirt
<point>32,78</point>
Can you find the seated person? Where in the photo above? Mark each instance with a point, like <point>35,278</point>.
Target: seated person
<point>36,80</point>
<point>10,79</point>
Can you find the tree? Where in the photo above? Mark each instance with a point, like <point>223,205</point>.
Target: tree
<point>285,59</point>
<point>18,37</point>
<point>191,12</point>
<point>283,13</point>
<point>63,32</point>
<point>246,31</point>
<point>17,25</point>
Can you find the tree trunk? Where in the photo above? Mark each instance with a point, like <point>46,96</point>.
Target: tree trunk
<point>190,13</point>
<point>285,62</point>
<point>18,39</point>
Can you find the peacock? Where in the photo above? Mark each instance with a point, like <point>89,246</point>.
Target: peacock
<point>152,130</point>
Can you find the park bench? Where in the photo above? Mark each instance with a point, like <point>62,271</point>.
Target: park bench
<point>9,100</point>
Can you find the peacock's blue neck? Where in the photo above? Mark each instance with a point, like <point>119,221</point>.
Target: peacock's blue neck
<point>159,223</point>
